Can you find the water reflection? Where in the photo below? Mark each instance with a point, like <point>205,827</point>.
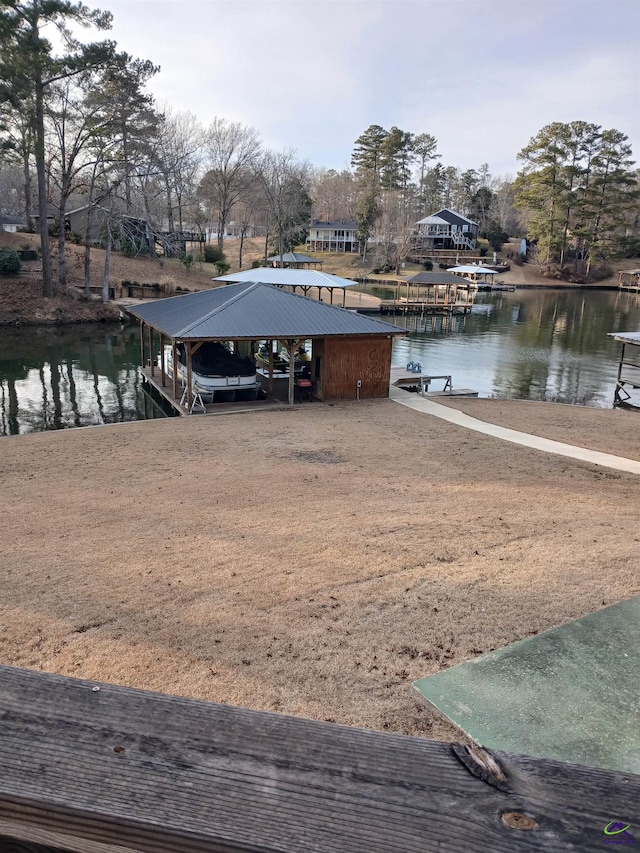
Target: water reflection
<point>72,377</point>
<point>530,344</point>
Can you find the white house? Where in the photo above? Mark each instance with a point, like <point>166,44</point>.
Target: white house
<point>334,236</point>
<point>10,223</point>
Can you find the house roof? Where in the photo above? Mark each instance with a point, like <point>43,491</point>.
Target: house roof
<point>52,212</point>
<point>343,224</point>
<point>86,207</point>
<point>453,217</point>
<point>446,217</point>
<point>432,220</point>
<point>9,219</point>
<point>436,278</point>
<point>256,311</point>
<point>471,268</point>
<point>289,278</point>
<point>294,258</point>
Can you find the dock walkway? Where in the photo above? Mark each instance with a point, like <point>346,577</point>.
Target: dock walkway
<point>421,382</point>
<point>547,445</point>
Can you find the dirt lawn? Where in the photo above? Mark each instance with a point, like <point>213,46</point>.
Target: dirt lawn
<point>312,561</point>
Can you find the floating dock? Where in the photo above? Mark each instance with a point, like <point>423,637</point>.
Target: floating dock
<point>422,306</point>
<point>420,382</point>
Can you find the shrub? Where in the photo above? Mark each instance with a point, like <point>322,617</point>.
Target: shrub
<point>168,284</point>
<point>222,267</point>
<point>212,254</point>
<point>187,262</point>
<point>428,265</point>
<point>9,261</point>
<point>255,264</point>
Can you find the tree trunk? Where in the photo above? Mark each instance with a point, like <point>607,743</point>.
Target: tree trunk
<point>170,224</point>
<point>222,221</point>
<point>242,233</point>
<point>48,288</point>
<point>87,254</point>
<point>127,176</point>
<point>62,259</point>
<point>28,201</point>
<point>107,267</point>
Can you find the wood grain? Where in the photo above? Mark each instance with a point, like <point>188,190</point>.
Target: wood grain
<point>117,769</point>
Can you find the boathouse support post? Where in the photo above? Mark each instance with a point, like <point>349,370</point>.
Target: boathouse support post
<point>189,396</point>
<point>162,364</point>
<point>174,362</point>
<point>142,343</point>
<point>291,347</point>
<point>616,393</point>
<point>151,350</point>
<point>271,368</point>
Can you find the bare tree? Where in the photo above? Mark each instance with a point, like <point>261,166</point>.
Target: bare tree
<point>335,194</point>
<point>285,181</point>
<point>392,232</point>
<point>179,153</point>
<point>232,150</point>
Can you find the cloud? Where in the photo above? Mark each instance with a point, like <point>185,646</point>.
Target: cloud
<point>482,76</point>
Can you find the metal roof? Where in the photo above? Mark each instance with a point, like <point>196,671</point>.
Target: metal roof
<point>289,278</point>
<point>626,337</point>
<point>294,258</point>
<point>437,278</point>
<point>340,224</point>
<point>453,215</point>
<point>470,268</point>
<point>256,311</point>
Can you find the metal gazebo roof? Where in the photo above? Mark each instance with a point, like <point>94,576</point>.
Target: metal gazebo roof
<point>472,268</point>
<point>293,258</point>
<point>290,278</point>
<point>253,311</point>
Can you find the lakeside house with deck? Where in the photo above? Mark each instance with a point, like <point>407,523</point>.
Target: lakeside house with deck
<point>333,236</point>
<point>446,229</point>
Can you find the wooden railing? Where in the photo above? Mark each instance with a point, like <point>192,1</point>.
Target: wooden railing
<point>96,768</point>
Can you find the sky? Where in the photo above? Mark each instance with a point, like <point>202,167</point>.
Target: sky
<point>482,76</point>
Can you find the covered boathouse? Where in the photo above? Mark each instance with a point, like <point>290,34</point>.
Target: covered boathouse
<point>351,353</point>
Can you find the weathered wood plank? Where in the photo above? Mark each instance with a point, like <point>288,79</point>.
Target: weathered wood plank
<point>118,769</point>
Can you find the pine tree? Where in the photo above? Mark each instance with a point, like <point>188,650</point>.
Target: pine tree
<point>28,62</point>
<point>367,155</point>
<point>396,153</point>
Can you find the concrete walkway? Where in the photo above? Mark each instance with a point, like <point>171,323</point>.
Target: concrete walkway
<point>429,407</point>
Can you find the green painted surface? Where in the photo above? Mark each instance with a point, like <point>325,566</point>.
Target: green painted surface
<point>571,693</point>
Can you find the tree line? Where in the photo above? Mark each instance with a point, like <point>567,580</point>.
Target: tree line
<point>78,127</point>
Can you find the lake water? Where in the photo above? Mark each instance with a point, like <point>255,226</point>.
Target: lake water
<point>531,344</point>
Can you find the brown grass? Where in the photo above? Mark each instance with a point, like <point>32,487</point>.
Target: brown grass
<point>312,561</point>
